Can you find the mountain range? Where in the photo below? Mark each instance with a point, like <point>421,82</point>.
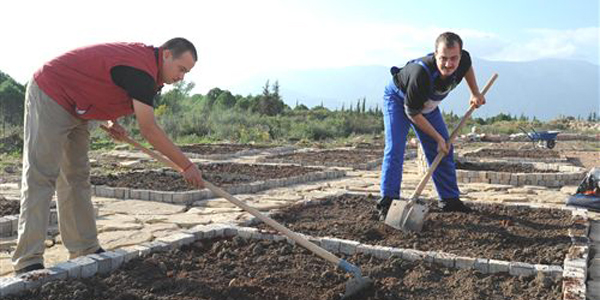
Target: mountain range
<point>544,89</point>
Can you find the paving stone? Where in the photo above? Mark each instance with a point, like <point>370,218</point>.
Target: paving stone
<point>499,266</point>
<point>462,262</point>
<point>73,269</point>
<point>445,259</point>
<point>117,239</point>
<point>348,247</point>
<point>482,265</point>
<point>103,262</point>
<point>521,269</point>
<point>128,253</point>
<point>331,244</point>
<point>117,222</point>
<point>89,267</point>
<point>413,255</point>
<point>178,239</point>
<point>11,285</point>
<point>159,230</point>
<point>139,207</point>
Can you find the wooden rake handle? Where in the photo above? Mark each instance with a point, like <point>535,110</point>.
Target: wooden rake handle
<point>453,136</point>
<point>253,211</point>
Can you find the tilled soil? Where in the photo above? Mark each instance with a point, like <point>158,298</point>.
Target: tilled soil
<point>209,149</point>
<point>525,153</point>
<point>337,156</point>
<point>493,231</point>
<point>8,207</point>
<point>500,167</point>
<point>235,268</point>
<point>221,174</point>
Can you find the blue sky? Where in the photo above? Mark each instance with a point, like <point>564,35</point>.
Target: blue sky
<point>239,39</point>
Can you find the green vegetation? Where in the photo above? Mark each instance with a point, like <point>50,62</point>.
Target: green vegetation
<point>266,119</point>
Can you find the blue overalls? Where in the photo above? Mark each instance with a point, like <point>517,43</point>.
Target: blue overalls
<point>397,124</point>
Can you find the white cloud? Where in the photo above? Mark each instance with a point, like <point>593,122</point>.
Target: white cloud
<point>581,43</point>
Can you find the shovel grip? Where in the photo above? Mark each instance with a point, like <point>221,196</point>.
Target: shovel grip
<point>453,136</point>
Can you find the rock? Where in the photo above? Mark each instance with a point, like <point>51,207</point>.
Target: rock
<point>118,239</point>
<point>138,207</point>
<point>117,222</point>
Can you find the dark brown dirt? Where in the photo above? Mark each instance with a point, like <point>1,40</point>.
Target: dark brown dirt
<point>230,269</point>
<point>338,156</point>
<point>525,153</point>
<point>209,149</point>
<point>8,207</point>
<point>220,174</point>
<point>493,231</point>
<point>500,167</point>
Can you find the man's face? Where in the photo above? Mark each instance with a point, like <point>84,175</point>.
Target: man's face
<point>174,69</point>
<point>447,58</point>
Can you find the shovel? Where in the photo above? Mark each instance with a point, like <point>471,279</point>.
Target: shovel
<point>409,216</point>
<point>353,286</point>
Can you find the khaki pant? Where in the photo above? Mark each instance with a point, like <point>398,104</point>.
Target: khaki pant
<point>54,158</point>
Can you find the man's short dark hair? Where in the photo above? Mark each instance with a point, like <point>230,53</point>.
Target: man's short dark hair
<point>450,39</point>
<point>178,46</point>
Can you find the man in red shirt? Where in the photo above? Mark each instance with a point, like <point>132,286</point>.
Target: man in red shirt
<point>98,82</point>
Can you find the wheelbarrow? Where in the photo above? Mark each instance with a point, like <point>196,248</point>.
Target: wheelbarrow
<point>547,138</point>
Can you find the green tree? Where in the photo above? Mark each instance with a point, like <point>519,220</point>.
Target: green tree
<point>225,100</point>
<point>12,96</point>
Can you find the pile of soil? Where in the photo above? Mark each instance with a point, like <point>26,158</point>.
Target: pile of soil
<point>538,236</point>
<point>500,167</point>
<point>337,156</point>
<point>220,174</point>
<point>8,207</point>
<point>525,153</point>
<point>209,149</point>
<point>235,268</point>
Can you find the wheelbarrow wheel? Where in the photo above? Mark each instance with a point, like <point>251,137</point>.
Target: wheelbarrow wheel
<point>550,144</point>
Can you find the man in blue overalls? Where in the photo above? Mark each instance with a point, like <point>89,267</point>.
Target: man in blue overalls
<point>411,99</point>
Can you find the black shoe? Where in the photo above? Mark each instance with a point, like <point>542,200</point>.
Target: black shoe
<point>29,269</point>
<point>383,205</point>
<point>454,205</point>
<point>100,250</point>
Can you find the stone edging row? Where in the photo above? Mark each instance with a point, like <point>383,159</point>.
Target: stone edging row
<point>369,165</point>
<point>189,197</point>
<point>512,155</point>
<point>268,151</point>
<point>107,262</point>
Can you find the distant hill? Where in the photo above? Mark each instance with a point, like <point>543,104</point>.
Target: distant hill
<point>542,88</point>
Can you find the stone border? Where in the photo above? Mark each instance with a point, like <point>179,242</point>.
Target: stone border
<point>473,154</point>
<point>570,175</point>
<point>107,262</point>
<point>10,224</point>
<point>248,152</point>
<point>189,197</point>
<point>369,165</point>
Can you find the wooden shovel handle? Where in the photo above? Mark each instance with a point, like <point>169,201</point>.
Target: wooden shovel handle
<point>253,211</point>
<point>453,136</point>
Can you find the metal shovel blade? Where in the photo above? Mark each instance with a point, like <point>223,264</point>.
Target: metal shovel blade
<point>407,216</point>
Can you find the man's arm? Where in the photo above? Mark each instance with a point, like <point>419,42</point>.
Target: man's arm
<point>477,98</point>
<point>161,142</point>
